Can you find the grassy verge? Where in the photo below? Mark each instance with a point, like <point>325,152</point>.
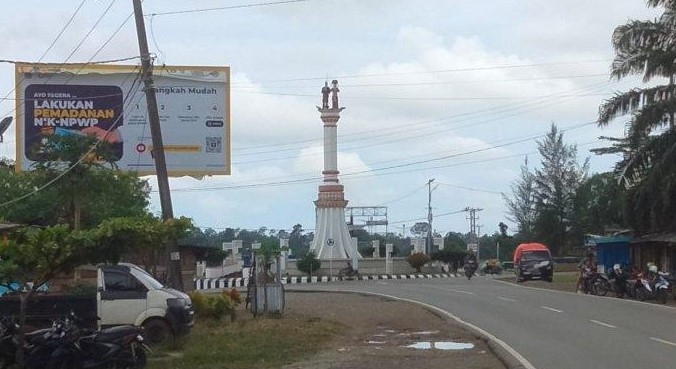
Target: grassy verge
<point>253,343</point>
<point>562,282</point>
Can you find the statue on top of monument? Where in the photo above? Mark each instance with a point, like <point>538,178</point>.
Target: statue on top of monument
<point>334,96</point>
<point>326,90</point>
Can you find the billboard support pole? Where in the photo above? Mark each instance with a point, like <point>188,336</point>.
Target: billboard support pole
<point>174,278</point>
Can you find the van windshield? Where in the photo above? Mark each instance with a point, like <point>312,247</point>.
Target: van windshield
<point>536,255</point>
<point>145,278</point>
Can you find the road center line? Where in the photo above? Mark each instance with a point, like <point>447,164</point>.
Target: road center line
<point>506,299</point>
<point>465,292</point>
<point>552,309</point>
<point>663,341</point>
<point>603,324</point>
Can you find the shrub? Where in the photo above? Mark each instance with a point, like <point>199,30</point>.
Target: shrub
<point>212,306</point>
<point>308,263</point>
<point>199,302</point>
<point>234,295</point>
<point>417,260</point>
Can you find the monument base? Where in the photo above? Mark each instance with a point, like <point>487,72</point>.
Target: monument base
<point>332,239</point>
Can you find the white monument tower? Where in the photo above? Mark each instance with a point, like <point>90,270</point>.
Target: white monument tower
<point>332,239</point>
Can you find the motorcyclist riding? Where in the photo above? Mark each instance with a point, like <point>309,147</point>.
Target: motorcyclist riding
<point>470,264</point>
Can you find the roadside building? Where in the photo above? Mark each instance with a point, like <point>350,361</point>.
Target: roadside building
<point>659,249</point>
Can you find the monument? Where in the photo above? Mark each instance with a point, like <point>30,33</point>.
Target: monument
<point>332,239</point>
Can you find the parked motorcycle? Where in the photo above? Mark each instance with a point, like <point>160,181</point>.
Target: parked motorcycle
<point>67,345</point>
<point>116,347</point>
<point>595,283</point>
<point>653,286</point>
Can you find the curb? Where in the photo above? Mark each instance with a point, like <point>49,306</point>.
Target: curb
<point>505,353</point>
<point>203,284</point>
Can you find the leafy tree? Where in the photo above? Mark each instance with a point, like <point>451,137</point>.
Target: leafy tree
<point>598,204</point>
<point>297,241</point>
<point>417,261</point>
<point>308,263</point>
<point>82,196</point>
<point>455,241</point>
<point>556,183</point>
<point>648,165</point>
<point>450,255</point>
<point>146,237</point>
<point>521,205</point>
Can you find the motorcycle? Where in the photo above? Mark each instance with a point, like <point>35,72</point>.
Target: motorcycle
<point>595,283</point>
<point>470,268</point>
<point>116,347</point>
<point>655,287</point>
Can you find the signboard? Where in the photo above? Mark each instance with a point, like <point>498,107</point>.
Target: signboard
<point>473,247</point>
<point>108,101</point>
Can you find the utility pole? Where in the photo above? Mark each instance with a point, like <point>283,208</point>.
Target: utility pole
<point>473,226</point>
<point>174,279</point>
<point>428,245</point>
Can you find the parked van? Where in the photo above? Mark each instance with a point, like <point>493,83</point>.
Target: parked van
<point>125,294</point>
<point>533,260</point>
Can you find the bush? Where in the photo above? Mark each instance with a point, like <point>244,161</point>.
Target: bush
<point>417,260</point>
<point>212,306</point>
<point>234,295</point>
<point>308,263</point>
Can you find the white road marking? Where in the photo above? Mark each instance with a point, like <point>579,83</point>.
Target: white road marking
<point>552,309</point>
<point>603,324</point>
<point>506,299</point>
<point>465,292</point>
<point>663,341</point>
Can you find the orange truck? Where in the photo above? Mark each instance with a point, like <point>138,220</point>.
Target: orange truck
<point>533,260</point>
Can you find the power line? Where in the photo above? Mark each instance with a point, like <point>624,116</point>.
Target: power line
<point>452,70</point>
<point>314,178</point>
<point>536,104</point>
<point>58,36</point>
<point>231,7</point>
<point>91,29</point>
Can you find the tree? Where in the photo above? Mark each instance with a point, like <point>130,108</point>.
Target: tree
<point>82,196</point>
<point>455,241</point>
<point>417,261</point>
<point>555,185</point>
<point>450,255</point>
<point>521,205</point>
<point>308,263</point>
<point>598,205</point>
<point>297,243</point>
<point>648,167</point>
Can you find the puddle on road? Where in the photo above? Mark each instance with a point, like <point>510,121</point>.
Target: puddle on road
<point>442,345</point>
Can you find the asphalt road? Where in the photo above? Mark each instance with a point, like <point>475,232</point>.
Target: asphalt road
<point>550,329</point>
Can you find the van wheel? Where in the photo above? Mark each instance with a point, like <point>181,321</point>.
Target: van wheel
<point>157,331</point>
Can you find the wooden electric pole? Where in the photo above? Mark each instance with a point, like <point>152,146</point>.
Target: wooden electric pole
<point>174,279</point>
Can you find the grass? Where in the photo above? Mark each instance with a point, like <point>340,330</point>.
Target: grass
<point>264,342</point>
<point>561,282</point>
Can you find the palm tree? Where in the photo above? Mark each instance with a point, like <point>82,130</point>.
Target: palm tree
<point>648,167</point>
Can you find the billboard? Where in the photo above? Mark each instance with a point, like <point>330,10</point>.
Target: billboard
<point>108,101</point>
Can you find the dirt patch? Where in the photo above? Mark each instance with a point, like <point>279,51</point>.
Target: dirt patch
<point>379,332</point>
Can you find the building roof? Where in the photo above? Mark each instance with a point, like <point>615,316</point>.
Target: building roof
<point>656,237</point>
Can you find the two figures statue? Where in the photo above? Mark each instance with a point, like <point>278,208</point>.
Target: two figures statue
<point>326,90</point>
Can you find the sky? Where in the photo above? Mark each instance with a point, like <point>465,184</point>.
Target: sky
<point>458,91</point>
